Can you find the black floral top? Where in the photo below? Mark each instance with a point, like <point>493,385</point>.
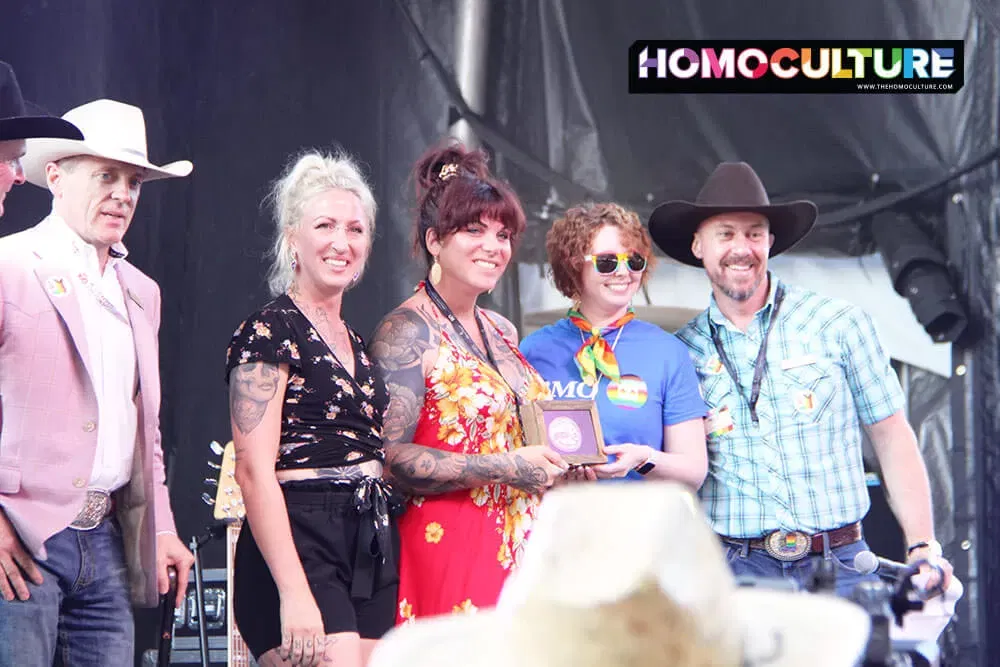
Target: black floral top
<point>328,418</point>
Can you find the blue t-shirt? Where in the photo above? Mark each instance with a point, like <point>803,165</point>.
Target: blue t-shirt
<point>658,386</point>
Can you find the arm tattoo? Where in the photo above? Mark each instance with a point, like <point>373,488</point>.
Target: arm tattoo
<point>422,470</point>
<point>425,470</point>
<point>398,347</point>
<point>528,477</point>
<point>251,388</point>
<point>505,326</point>
<point>510,364</point>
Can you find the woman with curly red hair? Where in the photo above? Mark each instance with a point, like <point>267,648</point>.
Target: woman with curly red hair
<point>641,377</point>
<point>456,379</point>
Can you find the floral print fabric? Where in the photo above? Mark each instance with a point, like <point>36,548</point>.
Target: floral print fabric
<point>328,418</point>
<point>459,547</point>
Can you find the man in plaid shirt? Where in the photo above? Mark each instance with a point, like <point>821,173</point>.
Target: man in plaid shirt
<point>789,377</point>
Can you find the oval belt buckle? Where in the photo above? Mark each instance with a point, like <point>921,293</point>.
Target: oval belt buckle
<point>787,546</point>
<point>95,508</point>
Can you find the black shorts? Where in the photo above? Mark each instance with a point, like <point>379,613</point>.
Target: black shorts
<point>326,529</point>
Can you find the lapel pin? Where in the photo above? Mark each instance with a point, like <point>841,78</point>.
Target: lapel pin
<point>57,286</point>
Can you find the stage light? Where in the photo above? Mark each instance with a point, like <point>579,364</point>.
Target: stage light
<point>919,273</point>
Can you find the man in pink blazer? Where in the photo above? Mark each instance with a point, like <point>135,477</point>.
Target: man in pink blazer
<point>86,529</point>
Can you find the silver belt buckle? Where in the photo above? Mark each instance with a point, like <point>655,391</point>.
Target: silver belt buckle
<point>788,546</point>
<point>94,511</point>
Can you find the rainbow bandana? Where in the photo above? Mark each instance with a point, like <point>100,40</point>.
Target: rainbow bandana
<point>595,355</point>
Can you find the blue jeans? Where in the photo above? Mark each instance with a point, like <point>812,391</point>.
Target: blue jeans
<point>81,615</point>
<point>744,561</point>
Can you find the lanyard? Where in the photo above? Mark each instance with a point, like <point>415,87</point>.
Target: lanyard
<point>103,300</point>
<point>439,302</point>
<point>761,361</point>
<point>466,338</point>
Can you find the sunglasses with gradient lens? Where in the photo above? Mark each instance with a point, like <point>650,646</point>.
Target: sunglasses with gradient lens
<point>607,263</point>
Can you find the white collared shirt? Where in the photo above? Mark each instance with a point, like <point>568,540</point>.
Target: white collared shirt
<point>110,352</point>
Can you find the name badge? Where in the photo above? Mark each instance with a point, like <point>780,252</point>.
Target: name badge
<point>795,362</point>
<point>719,422</point>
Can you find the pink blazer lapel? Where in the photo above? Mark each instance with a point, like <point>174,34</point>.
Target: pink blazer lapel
<point>142,332</point>
<point>61,291</point>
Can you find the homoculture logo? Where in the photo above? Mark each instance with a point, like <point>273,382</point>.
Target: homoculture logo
<point>659,66</point>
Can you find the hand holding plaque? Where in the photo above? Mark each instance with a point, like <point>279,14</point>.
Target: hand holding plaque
<point>571,428</point>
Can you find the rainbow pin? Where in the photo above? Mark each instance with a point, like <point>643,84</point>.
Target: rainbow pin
<point>57,286</point>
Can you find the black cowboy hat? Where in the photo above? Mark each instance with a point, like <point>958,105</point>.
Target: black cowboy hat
<point>14,121</point>
<point>733,187</point>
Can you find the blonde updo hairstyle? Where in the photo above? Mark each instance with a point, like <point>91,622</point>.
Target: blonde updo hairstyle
<point>310,174</point>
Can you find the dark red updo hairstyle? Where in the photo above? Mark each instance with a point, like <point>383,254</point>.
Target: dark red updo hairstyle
<point>455,188</point>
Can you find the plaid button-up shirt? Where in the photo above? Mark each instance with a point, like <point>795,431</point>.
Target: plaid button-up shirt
<point>800,467</point>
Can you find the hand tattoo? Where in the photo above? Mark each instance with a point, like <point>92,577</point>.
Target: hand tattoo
<point>330,641</point>
<point>251,388</point>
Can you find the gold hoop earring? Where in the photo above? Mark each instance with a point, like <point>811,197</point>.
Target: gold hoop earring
<point>435,273</point>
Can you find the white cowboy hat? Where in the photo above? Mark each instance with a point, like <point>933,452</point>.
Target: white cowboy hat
<point>112,130</point>
<point>632,574</point>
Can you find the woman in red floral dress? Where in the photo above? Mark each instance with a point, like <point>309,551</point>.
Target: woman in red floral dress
<point>454,441</point>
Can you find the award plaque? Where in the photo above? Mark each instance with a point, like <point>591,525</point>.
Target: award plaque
<point>571,428</point>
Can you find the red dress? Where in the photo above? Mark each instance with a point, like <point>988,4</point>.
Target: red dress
<point>457,548</point>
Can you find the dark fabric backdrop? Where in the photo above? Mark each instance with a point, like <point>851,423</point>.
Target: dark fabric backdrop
<point>239,87</point>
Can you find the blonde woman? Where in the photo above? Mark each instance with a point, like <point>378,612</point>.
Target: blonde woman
<point>315,577</point>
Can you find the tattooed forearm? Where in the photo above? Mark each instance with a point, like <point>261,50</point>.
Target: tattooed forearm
<point>528,476</point>
<point>420,470</point>
<point>424,470</point>
<point>398,346</point>
<point>251,388</point>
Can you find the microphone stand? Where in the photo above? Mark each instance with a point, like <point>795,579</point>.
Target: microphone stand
<point>199,587</point>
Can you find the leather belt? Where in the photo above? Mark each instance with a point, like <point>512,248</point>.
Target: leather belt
<point>792,545</point>
<point>98,506</point>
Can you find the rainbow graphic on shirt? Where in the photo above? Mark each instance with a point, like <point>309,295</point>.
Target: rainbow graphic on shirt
<point>629,392</point>
<point>714,365</point>
<point>805,401</point>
